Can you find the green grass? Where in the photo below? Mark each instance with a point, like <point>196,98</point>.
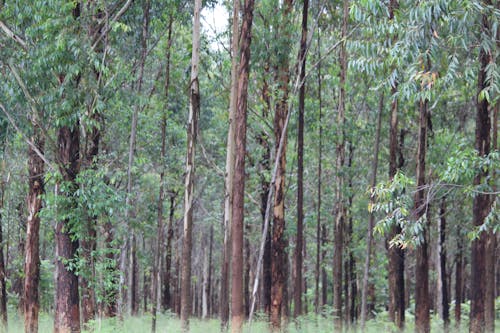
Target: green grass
<point>168,323</point>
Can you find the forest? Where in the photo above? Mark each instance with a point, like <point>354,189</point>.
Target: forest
<point>249,166</point>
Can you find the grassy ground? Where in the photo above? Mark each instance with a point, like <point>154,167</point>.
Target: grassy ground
<point>170,324</point>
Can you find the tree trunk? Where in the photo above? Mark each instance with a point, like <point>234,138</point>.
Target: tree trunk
<point>481,201</point>
<point>279,242</point>
<point>300,165</point>
<point>238,212</point>
<point>168,300</point>
<point>67,310</point>
<point>161,194</point>
<point>445,313</point>
<point>194,111</point>
<point>32,258</point>
<point>318,269</point>
<point>340,209</point>
<point>371,221</point>
<point>458,279</point>
<point>265,166</point>
<point>422,301</point>
<point>229,175</point>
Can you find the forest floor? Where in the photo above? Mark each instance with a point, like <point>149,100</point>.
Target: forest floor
<point>168,323</point>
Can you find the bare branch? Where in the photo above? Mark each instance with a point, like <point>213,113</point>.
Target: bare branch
<point>13,36</point>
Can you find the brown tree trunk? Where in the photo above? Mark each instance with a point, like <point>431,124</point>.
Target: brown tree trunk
<point>481,201</point>
<point>32,256</point>
<point>318,269</point>
<point>491,243</point>
<point>168,300</point>
<point>265,168</point>
<point>161,195</point>
<point>300,165</point>
<point>32,261</point>
<point>458,279</point>
<point>422,300</point>
<point>279,242</point>
<point>396,254</point>
<point>238,212</point>
<point>371,221</point>
<point>194,111</point>
<point>340,209</point>
<point>67,310</point>
<point>445,315</point>
<point>229,175</point>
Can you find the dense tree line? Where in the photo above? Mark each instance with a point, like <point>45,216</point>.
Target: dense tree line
<point>312,158</point>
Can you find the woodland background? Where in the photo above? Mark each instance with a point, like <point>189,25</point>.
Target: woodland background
<point>335,166</point>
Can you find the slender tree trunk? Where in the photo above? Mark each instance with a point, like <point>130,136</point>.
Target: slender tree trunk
<point>350,267</point>
<point>229,175</point>
<point>168,300</point>
<point>67,310</point>
<point>481,201</point>
<point>445,314</point>
<point>238,213</point>
<point>340,209</point>
<point>371,221</point>
<point>161,194</point>
<point>318,269</point>
<point>279,241</point>
<point>395,253</point>
<point>300,165</point>
<point>458,279</point>
<point>32,258</point>
<point>422,300</point>
<point>491,245</point>
<point>194,111</point>
<point>265,167</point>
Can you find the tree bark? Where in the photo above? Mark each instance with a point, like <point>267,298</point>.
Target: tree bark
<point>161,194</point>
<point>168,300</point>
<point>229,175</point>
<point>458,279</point>
<point>481,201</point>
<point>371,221</point>
<point>238,213</point>
<point>340,209</point>
<point>67,310</point>
<point>194,111</point>
<point>319,269</point>
<point>279,242</point>
<point>445,313</point>
<point>422,301</point>
<point>300,165</point>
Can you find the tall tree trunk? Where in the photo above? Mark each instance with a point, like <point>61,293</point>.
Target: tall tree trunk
<point>67,310</point>
<point>395,253</point>
<point>340,209</point>
<point>238,213</point>
<point>350,288</point>
<point>265,168</point>
<point>161,195</point>
<point>168,300</point>
<point>32,256</point>
<point>279,241</point>
<point>422,300</point>
<point>67,304</point>
<point>445,313</point>
<point>194,111</point>
<point>371,219</point>
<point>481,201</point>
<point>458,279</point>
<point>229,175</point>
<point>300,165</point>
<point>319,269</point>
<point>491,242</point>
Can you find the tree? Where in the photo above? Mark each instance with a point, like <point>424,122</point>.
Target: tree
<point>194,111</point>
<point>300,164</point>
<point>482,201</point>
<point>239,171</point>
<point>340,207</point>
<point>279,242</point>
